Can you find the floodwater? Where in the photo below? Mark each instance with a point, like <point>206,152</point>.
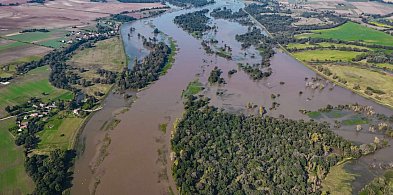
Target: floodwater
<point>136,160</point>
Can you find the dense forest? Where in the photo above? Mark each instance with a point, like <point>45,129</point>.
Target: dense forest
<point>195,22</point>
<point>51,174</point>
<point>222,153</point>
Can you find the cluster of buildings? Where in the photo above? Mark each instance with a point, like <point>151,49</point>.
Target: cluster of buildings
<point>40,110</point>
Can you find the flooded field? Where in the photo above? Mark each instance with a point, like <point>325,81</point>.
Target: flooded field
<point>136,159</point>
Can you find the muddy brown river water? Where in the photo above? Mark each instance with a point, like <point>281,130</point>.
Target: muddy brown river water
<point>133,157</point>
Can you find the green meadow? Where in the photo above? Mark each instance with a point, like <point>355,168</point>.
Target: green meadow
<point>193,88</point>
<point>351,31</point>
<point>59,133</point>
<point>326,54</point>
<point>13,178</point>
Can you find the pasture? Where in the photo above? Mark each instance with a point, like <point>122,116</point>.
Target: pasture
<point>366,78</point>
<point>58,133</point>
<point>321,45</point>
<point>13,178</point>
<point>193,88</point>
<point>351,31</point>
<point>326,55</point>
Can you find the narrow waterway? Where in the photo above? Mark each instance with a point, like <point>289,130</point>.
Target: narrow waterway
<point>137,158</point>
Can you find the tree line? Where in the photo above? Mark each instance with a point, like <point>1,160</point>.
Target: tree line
<point>147,71</point>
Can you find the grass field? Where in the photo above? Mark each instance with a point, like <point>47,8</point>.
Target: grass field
<point>326,54</point>
<point>59,133</point>
<point>366,78</point>
<point>355,120</point>
<point>193,88</point>
<point>53,43</point>
<point>351,31</point>
<point>385,65</point>
<point>314,115</point>
<point>323,44</point>
<point>338,181</point>
<point>171,57</point>
<point>33,84</point>
<point>107,54</point>
<point>13,178</point>
<point>335,114</point>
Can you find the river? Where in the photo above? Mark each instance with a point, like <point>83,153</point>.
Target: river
<point>136,157</point>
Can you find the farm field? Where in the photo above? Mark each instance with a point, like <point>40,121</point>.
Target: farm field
<point>366,78</point>
<point>33,84</point>
<point>351,31</point>
<point>13,178</point>
<point>61,13</point>
<point>326,55</point>
<point>8,44</point>
<point>58,133</point>
<point>13,54</point>
<point>47,39</point>
<point>32,37</point>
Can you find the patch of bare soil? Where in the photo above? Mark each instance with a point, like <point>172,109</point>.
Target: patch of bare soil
<point>13,54</point>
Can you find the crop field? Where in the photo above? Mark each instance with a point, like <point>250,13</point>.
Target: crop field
<point>13,178</point>
<point>33,84</point>
<point>30,37</point>
<point>367,78</point>
<point>10,44</point>
<point>58,133</point>
<point>326,54</point>
<point>48,39</point>
<point>351,31</point>
<point>61,13</point>
<point>13,54</point>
